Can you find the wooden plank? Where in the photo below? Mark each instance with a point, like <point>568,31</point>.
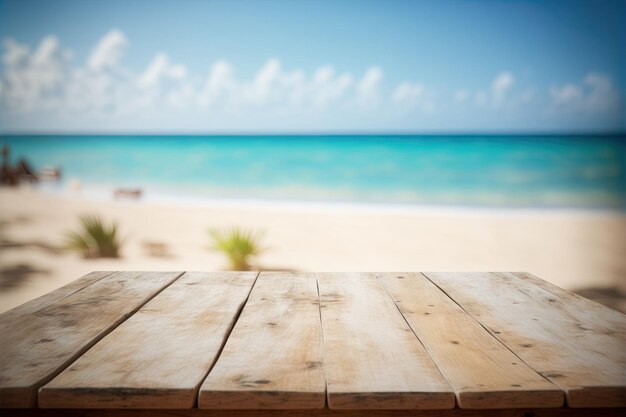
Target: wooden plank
<point>556,337</point>
<point>483,373</point>
<point>324,412</point>
<point>8,318</point>
<point>372,358</point>
<point>273,357</point>
<point>591,313</point>
<point>158,357</point>
<point>42,343</point>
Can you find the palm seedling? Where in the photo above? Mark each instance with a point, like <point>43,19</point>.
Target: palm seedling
<point>238,245</point>
<point>95,239</point>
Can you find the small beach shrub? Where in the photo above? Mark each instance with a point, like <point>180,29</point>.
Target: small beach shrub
<point>95,239</point>
<point>238,245</point>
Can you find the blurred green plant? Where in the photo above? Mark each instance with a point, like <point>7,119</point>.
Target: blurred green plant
<point>238,245</point>
<point>95,239</point>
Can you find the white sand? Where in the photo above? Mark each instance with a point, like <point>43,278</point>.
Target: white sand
<point>569,248</point>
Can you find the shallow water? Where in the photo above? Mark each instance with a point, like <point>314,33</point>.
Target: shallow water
<point>463,170</point>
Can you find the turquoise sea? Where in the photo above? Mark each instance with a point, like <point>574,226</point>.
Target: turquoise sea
<point>460,170</point>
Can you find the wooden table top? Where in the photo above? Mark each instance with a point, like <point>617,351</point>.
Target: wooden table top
<point>307,341</point>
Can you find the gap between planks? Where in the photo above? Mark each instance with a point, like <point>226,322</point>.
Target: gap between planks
<point>319,303</point>
<point>272,359</point>
<point>172,343</point>
<point>67,290</point>
<point>321,324</point>
<point>373,359</point>
<point>482,371</point>
<point>226,337</point>
<point>21,389</point>
<point>577,348</point>
<point>487,329</point>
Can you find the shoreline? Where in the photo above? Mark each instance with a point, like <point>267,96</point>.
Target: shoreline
<point>105,194</point>
<point>570,248</point>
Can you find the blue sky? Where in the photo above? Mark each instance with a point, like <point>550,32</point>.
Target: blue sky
<point>312,66</point>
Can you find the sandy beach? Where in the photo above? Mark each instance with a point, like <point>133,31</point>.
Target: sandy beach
<point>572,249</point>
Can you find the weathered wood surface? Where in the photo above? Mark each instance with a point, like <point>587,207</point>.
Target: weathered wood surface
<point>482,371</point>
<point>158,357</point>
<point>273,357</point>
<point>587,311</point>
<point>8,318</point>
<point>324,412</point>
<point>376,342</point>
<point>46,340</point>
<point>372,358</point>
<point>580,349</point>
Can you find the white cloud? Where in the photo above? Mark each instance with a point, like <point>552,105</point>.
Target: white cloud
<point>326,87</point>
<point>48,62</point>
<point>219,84</point>
<point>161,70</point>
<point>497,95</point>
<point>30,78</point>
<point>500,86</point>
<point>42,81</point>
<point>265,82</point>
<point>594,94</point>
<point>411,95</point>
<point>568,95</point>
<point>15,54</point>
<point>108,52</point>
<point>407,93</point>
<point>162,85</point>
<point>273,86</point>
<point>367,88</point>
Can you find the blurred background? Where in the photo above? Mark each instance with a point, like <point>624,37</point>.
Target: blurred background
<point>313,136</point>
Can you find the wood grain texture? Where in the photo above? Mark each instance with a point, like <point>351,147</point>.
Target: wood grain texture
<point>8,318</point>
<point>273,357</point>
<point>324,412</point>
<point>580,349</point>
<point>158,357</point>
<point>372,358</point>
<point>42,343</point>
<point>483,373</point>
<point>587,311</point>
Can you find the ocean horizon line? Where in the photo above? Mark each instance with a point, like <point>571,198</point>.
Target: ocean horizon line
<point>323,134</point>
